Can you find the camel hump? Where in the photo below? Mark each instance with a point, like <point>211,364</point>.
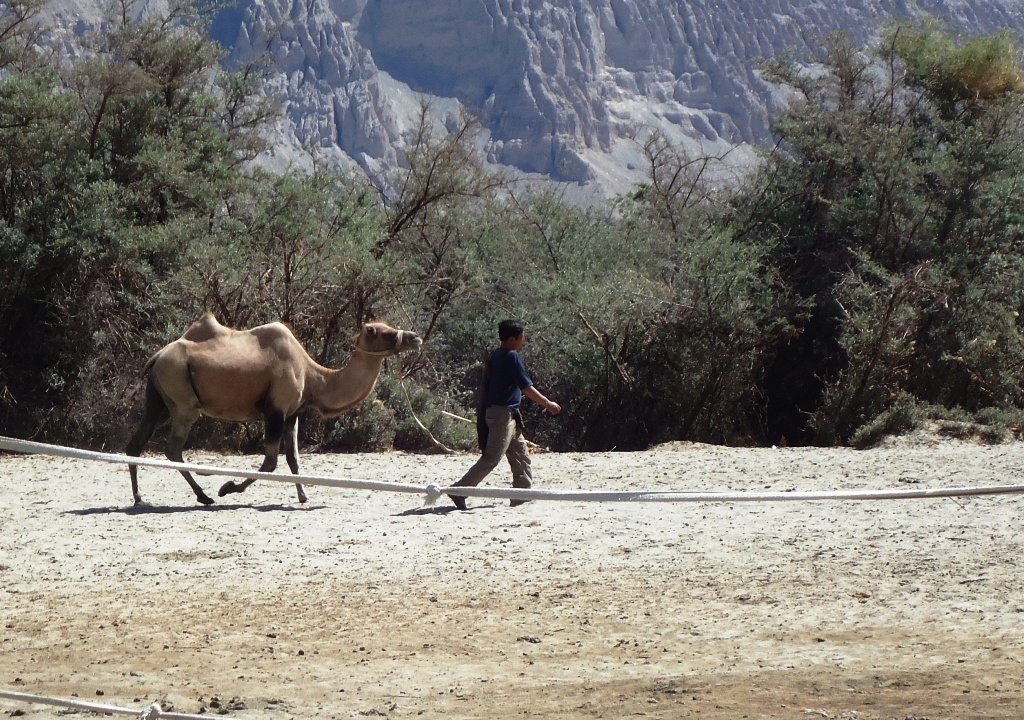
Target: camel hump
<point>205,328</point>
<point>278,335</point>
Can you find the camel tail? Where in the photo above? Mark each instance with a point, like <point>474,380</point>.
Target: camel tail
<point>149,365</point>
<point>154,412</point>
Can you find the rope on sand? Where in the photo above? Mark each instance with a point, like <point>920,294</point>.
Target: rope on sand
<point>153,712</point>
<point>25,446</point>
<point>432,492</point>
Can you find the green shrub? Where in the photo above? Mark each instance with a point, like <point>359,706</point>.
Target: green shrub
<point>368,428</point>
<point>987,434</point>
<point>904,415</point>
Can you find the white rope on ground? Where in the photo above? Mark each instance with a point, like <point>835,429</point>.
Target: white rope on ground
<point>433,492</point>
<point>34,448</point>
<point>152,712</point>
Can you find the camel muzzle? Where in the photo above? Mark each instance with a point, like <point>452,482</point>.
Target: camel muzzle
<point>408,340</point>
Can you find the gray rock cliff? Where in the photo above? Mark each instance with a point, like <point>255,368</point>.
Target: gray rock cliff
<point>558,84</point>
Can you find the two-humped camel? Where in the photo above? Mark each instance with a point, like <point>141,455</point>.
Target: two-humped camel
<point>261,373</point>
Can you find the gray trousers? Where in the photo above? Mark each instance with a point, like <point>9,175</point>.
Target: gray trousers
<point>503,438</point>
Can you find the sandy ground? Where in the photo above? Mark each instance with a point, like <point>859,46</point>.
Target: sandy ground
<point>364,604</point>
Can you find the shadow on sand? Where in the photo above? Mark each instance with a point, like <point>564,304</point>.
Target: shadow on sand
<point>440,509</point>
<point>165,509</point>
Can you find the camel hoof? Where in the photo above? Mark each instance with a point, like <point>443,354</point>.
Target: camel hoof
<point>139,502</point>
<point>205,499</point>
<point>227,489</point>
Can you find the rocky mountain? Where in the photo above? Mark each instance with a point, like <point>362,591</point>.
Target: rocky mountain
<point>559,85</point>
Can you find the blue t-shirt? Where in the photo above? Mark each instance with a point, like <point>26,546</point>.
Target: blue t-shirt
<point>507,379</point>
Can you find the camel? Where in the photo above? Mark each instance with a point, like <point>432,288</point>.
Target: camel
<point>242,375</point>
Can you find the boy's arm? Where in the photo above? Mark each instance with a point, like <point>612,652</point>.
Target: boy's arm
<point>534,394</point>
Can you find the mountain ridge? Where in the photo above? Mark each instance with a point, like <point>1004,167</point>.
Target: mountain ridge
<point>559,86</point>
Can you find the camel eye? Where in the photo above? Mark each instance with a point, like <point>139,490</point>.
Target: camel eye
<point>371,330</point>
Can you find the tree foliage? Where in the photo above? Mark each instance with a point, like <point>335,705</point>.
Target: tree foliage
<point>894,195</point>
<point>114,166</point>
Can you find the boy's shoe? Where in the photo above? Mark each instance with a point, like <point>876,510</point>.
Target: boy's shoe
<point>516,502</point>
<point>460,502</point>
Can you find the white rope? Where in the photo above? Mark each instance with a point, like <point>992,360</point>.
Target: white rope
<point>153,712</point>
<point>34,448</point>
<point>433,492</point>
<point>423,427</point>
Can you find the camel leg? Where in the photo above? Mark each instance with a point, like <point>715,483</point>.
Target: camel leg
<point>180,428</point>
<point>154,413</point>
<point>291,451</point>
<point>273,432</point>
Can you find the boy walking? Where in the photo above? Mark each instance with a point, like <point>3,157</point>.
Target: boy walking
<point>506,382</point>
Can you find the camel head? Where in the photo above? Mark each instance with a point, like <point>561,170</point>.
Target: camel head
<point>379,338</point>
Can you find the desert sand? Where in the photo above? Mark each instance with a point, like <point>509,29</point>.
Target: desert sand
<point>367,604</point>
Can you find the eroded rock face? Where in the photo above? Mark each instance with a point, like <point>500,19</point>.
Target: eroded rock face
<point>558,84</point>
<point>328,82</point>
<point>533,71</point>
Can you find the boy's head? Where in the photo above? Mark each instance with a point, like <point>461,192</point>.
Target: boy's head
<point>508,329</point>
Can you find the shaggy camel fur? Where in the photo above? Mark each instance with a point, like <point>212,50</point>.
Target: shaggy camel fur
<point>241,375</point>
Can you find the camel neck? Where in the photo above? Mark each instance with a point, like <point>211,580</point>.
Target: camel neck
<point>336,390</point>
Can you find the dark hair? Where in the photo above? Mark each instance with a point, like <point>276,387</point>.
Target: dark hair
<point>509,329</point>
